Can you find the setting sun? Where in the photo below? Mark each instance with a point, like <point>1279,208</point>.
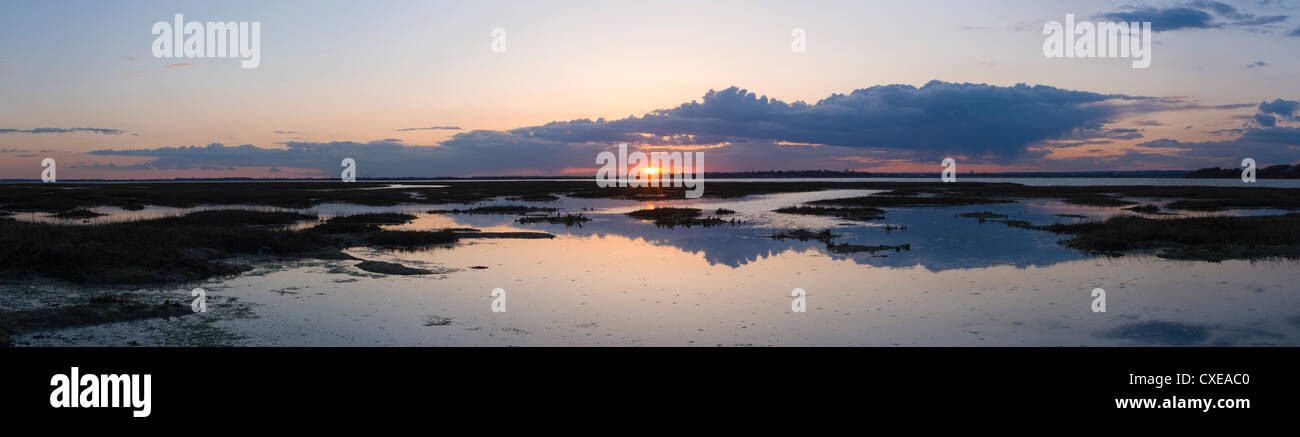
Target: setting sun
<point>651,171</point>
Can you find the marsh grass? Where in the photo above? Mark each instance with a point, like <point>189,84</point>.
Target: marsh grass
<point>373,219</point>
<point>1203,238</point>
<point>78,213</point>
<point>672,217</point>
<point>908,201</point>
<point>411,238</point>
<point>564,219</point>
<point>804,235</point>
<point>359,223</point>
<point>1098,201</point>
<point>1144,209</point>
<point>233,217</point>
<point>845,248</point>
<point>827,238</point>
<point>1189,197</point>
<point>335,228</point>
<point>1019,224</point>
<point>149,251</point>
<point>542,197</point>
<point>982,215</point>
<point>496,209</point>
<point>859,214</point>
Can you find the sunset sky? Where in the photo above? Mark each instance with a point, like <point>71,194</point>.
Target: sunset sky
<point>413,88</point>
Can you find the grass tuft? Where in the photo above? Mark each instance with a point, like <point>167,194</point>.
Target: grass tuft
<point>671,217</point>
<point>411,238</point>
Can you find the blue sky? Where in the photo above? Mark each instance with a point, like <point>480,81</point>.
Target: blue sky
<point>883,86</point>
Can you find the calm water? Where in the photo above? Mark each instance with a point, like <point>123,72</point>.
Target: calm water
<point>620,281</point>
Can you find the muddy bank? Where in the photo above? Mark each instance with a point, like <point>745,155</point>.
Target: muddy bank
<point>99,310</point>
<point>388,268</point>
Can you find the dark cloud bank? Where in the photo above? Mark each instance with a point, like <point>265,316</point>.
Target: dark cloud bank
<point>744,131</point>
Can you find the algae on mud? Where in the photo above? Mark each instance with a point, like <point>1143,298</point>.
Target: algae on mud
<point>99,310</point>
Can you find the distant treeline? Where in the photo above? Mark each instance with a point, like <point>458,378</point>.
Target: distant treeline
<point>1280,171</point>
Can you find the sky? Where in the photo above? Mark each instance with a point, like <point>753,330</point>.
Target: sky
<point>428,88</point>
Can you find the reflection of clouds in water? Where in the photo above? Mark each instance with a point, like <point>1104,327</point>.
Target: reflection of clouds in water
<point>939,240</point>
<point>1162,333</point>
<point>616,290</point>
<point>621,281</point>
<point>1156,332</point>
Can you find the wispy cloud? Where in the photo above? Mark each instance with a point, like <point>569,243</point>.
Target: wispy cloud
<point>181,65</point>
<point>1197,14</point>
<point>1275,145</point>
<point>1165,19</point>
<point>59,130</point>
<point>409,129</point>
